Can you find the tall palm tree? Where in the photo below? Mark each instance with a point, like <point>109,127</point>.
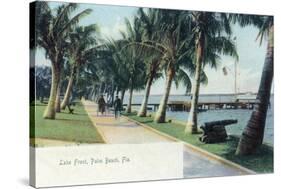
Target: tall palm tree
<point>174,32</point>
<point>87,77</point>
<point>58,100</point>
<point>150,24</point>
<point>209,44</point>
<point>252,136</point>
<point>81,44</point>
<point>123,68</point>
<point>171,42</point>
<point>132,59</point>
<point>53,27</point>
<point>113,68</point>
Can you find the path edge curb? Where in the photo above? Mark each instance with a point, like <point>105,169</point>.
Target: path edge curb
<point>196,149</point>
<point>93,122</point>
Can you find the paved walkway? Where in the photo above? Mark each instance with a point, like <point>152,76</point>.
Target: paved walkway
<point>123,131</point>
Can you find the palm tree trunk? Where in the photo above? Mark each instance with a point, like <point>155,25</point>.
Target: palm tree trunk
<point>191,126</point>
<point>122,95</point>
<point>117,91</point>
<point>96,93</point>
<point>68,89</point>
<point>142,111</point>
<point>161,113</point>
<point>91,94</point>
<point>252,136</point>
<point>112,96</point>
<point>129,105</point>
<point>57,106</point>
<point>50,111</point>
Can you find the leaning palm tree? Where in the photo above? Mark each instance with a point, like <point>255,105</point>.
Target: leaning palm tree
<point>171,42</point>
<point>113,68</point>
<point>81,45</point>
<point>87,78</point>
<point>150,24</point>
<point>53,27</point>
<point>132,59</point>
<point>209,44</point>
<point>174,33</point>
<point>252,136</point>
<point>125,69</point>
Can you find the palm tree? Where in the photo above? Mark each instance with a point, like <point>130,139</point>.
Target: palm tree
<point>58,100</point>
<point>171,41</point>
<point>150,24</point>
<point>87,77</point>
<point>174,33</point>
<point>252,136</point>
<point>113,67</point>
<point>132,59</point>
<point>209,44</point>
<point>52,28</point>
<point>81,42</point>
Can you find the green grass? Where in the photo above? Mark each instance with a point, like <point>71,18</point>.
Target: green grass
<point>75,127</point>
<point>261,162</point>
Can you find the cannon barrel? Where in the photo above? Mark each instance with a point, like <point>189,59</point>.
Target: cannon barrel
<point>209,125</point>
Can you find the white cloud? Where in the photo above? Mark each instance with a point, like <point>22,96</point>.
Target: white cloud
<point>113,31</point>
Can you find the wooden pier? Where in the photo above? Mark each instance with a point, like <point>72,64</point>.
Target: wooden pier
<point>203,106</point>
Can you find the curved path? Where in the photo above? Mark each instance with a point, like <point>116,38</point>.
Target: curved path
<point>118,131</point>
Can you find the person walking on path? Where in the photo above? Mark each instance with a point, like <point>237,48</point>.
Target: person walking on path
<point>117,104</point>
<point>101,105</point>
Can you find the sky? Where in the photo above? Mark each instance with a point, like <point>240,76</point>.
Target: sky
<point>110,20</point>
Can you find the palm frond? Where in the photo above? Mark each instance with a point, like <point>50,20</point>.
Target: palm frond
<point>73,21</point>
<point>66,10</point>
<point>183,77</point>
<point>204,78</point>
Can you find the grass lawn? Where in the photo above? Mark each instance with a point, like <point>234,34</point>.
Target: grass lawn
<point>261,162</point>
<point>75,127</point>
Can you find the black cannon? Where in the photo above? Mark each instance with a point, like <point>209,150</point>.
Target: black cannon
<point>214,131</point>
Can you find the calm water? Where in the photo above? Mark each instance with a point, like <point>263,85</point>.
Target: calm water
<point>211,115</point>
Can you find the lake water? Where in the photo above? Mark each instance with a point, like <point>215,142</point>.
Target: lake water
<point>242,115</point>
